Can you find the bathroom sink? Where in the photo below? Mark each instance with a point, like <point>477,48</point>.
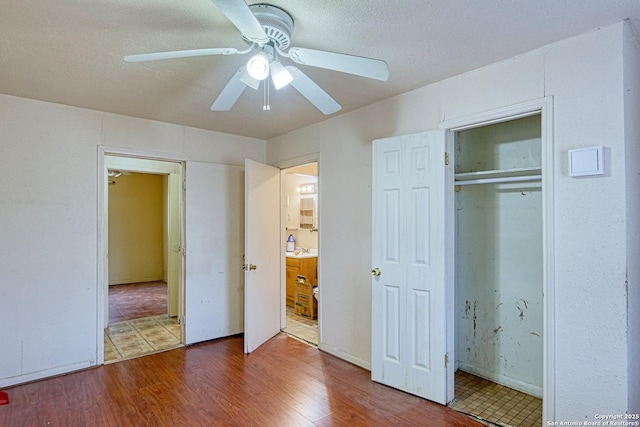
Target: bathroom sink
<point>313,253</point>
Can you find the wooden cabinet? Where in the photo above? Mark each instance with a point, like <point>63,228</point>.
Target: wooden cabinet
<point>307,267</point>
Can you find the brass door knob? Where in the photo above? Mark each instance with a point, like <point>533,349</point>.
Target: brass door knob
<point>376,272</point>
<point>252,266</point>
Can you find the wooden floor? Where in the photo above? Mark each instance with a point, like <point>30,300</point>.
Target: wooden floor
<point>137,300</point>
<point>283,383</point>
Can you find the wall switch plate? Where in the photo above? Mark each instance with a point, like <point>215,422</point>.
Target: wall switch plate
<point>586,161</point>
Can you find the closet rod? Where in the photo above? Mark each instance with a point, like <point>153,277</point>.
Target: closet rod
<point>524,178</point>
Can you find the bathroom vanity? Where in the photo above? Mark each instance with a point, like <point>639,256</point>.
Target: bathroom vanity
<point>303,264</point>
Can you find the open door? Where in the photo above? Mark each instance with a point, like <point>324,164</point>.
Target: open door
<point>409,315</point>
<point>174,257</point>
<point>262,251</point>
<point>214,235</point>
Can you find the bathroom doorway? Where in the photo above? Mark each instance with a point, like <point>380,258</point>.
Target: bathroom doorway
<point>302,288</point>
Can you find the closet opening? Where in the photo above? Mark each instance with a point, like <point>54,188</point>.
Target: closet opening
<point>302,288</point>
<point>499,272</point>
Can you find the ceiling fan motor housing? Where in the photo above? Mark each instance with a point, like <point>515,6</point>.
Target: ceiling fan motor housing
<point>276,22</point>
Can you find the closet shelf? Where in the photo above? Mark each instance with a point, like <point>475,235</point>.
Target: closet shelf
<point>498,173</point>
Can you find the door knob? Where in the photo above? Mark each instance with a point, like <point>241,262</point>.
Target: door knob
<point>376,272</point>
<point>252,266</point>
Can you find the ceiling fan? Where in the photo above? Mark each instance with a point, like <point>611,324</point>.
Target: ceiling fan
<point>267,30</point>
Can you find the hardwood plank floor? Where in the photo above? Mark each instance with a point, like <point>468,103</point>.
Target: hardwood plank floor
<point>137,300</point>
<point>283,383</point>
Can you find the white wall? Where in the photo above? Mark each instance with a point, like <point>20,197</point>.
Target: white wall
<point>48,223</point>
<point>584,75</point>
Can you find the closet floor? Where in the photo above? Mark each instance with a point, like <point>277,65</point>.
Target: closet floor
<point>301,327</point>
<point>495,403</point>
<point>139,337</point>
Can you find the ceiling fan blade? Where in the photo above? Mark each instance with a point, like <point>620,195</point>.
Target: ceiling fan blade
<point>357,65</point>
<point>230,93</point>
<point>241,16</point>
<point>181,54</point>
<point>314,93</point>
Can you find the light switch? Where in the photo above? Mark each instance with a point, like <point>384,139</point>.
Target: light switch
<point>586,161</point>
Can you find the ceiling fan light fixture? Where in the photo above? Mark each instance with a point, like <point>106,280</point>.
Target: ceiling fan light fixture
<point>258,66</point>
<point>249,81</point>
<point>280,75</point>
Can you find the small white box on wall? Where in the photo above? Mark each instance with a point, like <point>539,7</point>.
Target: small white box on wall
<point>586,161</point>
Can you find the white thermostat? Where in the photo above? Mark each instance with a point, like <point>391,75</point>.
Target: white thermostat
<point>586,161</point>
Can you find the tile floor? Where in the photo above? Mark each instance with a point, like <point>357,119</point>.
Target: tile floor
<point>138,337</point>
<point>495,403</point>
<point>301,327</point>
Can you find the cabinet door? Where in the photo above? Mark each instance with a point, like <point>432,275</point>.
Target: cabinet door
<point>292,273</point>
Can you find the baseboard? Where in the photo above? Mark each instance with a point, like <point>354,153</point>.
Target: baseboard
<point>504,380</point>
<point>34,376</point>
<point>128,282</point>
<point>345,356</point>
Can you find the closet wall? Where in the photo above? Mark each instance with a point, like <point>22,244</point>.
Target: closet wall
<point>499,271</point>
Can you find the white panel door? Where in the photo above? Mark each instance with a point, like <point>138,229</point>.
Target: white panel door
<point>263,250</point>
<point>214,235</point>
<point>408,296</point>
<point>174,256</point>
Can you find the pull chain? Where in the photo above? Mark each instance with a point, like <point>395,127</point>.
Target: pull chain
<point>266,106</point>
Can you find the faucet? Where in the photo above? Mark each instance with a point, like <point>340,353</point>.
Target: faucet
<point>304,250</point>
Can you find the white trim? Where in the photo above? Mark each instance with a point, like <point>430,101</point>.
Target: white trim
<point>149,155</point>
<point>340,354</point>
<point>499,115</point>
<point>544,107</point>
<point>101,254</point>
<point>450,297</point>
<point>502,379</point>
<point>297,161</point>
<point>47,373</point>
<point>102,241</point>
<point>548,257</point>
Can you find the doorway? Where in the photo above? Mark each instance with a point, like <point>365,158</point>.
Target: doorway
<point>498,272</point>
<point>416,323</point>
<point>302,291</point>
<point>143,282</point>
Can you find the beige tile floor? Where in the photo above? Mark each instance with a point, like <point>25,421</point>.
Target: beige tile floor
<point>138,337</point>
<point>495,403</point>
<point>301,327</point>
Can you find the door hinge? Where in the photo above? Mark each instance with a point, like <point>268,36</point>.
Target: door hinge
<point>446,159</point>
<point>446,360</point>
<point>184,185</point>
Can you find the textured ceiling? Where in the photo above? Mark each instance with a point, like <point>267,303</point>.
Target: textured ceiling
<point>70,51</point>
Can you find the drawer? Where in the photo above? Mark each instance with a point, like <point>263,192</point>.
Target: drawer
<point>293,262</point>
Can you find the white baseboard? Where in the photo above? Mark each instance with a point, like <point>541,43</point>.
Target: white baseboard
<point>144,280</point>
<point>33,376</point>
<point>513,383</point>
<point>365,364</point>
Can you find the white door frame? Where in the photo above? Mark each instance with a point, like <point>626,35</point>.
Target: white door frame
<point>286,164</point>
<point>102,238</point>
<point>544,107</point>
